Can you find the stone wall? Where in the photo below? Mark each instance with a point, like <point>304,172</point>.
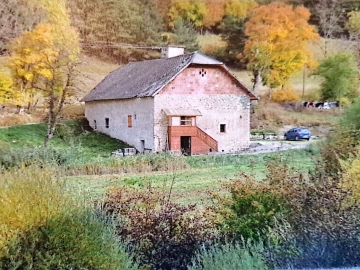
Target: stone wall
<point>217,96</point>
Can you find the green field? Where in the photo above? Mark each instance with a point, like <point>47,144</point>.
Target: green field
<point>204,174</point>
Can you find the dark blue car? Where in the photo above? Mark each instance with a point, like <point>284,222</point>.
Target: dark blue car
<point>298,134</point>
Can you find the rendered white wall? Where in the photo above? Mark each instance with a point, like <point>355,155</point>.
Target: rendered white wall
<point>117,112</point>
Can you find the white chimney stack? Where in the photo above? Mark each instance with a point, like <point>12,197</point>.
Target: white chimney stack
<point>172,51</point>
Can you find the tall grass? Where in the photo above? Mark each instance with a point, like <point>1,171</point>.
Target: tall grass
<point>228,256</point>
<point>134,164</point>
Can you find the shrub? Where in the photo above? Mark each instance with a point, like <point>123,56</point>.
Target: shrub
<point>43,227</point>
<point>228,256</point>
<point>324,226</point>
<point>252,208</point>
<point>163,235</point>
<point>285,94</point>
<point>351,177</point>
<point>341,144</point>
<point>77,239</point>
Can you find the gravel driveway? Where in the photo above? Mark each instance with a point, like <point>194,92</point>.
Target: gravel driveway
<point>263,146</point>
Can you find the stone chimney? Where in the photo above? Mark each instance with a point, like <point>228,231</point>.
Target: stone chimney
<point>172,51</point>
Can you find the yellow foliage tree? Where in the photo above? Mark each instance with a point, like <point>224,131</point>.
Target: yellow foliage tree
<point>6,84</point>
<point>276,48</point>
<point>32,55</point>
<point>42,61</point>
<point>191,10</point>
<point>239,9</point>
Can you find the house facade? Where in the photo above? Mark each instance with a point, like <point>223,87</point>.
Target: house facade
<point>189,103</point>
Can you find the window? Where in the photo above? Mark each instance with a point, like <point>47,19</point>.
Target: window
<point>129,121</point>
<point>222,128</point>
<point>107,122</point>
<point>202,72</point>
<point>185,121</point>
<point>95,126</point>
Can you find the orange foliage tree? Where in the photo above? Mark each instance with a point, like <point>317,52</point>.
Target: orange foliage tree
<point>276,47</point>
<point>215,12</point>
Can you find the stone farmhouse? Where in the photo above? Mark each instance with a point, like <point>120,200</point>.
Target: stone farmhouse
<point>181,102</point>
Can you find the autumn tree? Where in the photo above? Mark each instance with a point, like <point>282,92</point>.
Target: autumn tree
<point>6,84</point>
<point>188,10</point>
<point>31,56</point>
<point>341,77</point>
<point>215,12</point>
<point>239,9</point>
<point>43,61</point>
<point>276,47</point>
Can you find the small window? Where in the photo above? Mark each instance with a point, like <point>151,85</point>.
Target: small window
<point>129,121</point>
<point>202,72</point>
<point>222,128</point>
<point>95,125</point>
<point>185,121</point>
<point>107,122</point>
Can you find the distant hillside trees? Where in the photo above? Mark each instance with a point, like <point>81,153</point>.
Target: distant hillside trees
<point>185,34</point>
<point>17,16</point>
<point>108,22</point>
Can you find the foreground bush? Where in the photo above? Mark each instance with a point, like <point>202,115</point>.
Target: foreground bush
<point>251,210</point>
<point>42,227</point>
<point>230,257</point>
<point>163,235</point>
<point>342,143</point>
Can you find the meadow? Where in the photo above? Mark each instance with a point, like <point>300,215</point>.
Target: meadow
<point>84,158</point>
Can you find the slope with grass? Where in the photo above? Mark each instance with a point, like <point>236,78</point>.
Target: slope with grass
<point>71,144</point>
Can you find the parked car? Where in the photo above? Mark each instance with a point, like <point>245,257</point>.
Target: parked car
<point>298,133</point>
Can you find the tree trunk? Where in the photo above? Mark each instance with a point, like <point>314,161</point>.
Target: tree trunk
<point>56,106</point>
<point>257,83</point>
<point>256,86</point>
